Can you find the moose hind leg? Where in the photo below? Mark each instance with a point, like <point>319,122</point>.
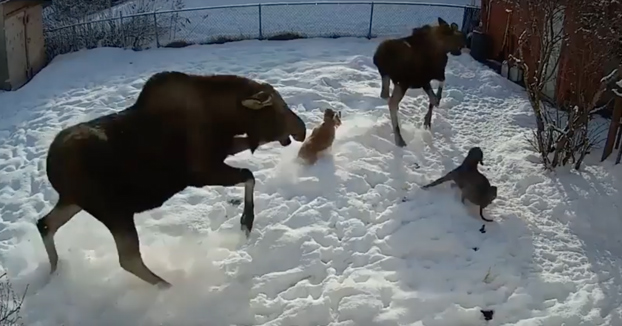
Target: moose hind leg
<point>394,104</point>
<point>384,92</point>
<point>51,223</point>
<point>123,230</point>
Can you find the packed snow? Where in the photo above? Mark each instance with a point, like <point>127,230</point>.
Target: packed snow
<point>350,241</point>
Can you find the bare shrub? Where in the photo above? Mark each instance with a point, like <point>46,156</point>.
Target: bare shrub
<point>586,33</point>
<point>10,304</point>
<point>134,24</point>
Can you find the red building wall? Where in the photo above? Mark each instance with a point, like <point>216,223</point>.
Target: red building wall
<point>570,72</point>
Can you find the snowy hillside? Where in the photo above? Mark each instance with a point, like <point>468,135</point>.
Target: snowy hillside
<point>351,241</point>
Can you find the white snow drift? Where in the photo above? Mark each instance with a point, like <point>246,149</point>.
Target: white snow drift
<point>351,241</point>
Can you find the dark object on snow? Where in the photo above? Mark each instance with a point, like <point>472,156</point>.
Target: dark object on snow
<point>412,62</point>
<point>177,134</point>
<point>475,249</point>
<point>483,228</point>
<point>481,46</point>
<point>487,314</point>
<point>474,186</point>
<point>235,201</point>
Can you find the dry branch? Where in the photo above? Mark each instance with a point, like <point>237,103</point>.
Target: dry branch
<point>10,304</point>
<point>588,38</point>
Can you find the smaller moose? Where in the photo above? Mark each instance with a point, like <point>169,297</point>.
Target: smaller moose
<point>474,186</point>
<point>321,138</point>
<point>412,62</point>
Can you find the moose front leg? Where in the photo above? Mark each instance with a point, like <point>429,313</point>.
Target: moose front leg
<point>427,121</point>
<point>394,104</point>
<point>439,90</point>
<point>228,176</point>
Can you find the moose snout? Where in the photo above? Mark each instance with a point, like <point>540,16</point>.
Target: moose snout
<point>285,141</point>
<point>300,137</point>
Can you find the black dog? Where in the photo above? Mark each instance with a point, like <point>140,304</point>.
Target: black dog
<point>474,186</point>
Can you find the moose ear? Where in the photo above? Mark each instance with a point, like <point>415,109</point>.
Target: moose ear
<point>258,101</point>
<point>442,22</point>
<point>454,26</point>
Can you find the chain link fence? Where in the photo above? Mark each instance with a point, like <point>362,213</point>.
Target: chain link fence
<point>271,21</point>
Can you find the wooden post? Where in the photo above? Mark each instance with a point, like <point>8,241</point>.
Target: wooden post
<point>613,126</point>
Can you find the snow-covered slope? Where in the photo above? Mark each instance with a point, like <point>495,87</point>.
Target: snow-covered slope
<point>351,241</point>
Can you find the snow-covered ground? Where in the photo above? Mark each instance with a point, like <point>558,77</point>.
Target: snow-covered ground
<point>351,241</point>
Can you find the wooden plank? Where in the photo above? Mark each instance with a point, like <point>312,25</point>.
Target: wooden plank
<point>16,50</point>
<point>35,42</point>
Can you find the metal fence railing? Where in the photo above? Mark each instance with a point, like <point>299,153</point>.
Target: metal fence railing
<point>269,21</point>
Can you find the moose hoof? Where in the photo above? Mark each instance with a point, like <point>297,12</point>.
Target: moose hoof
<point>246,229</point>
<point>246,222</point>
<point>164,285</point>
<point>400,142</point>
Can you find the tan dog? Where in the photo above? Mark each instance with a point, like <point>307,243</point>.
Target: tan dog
<point>321,138</point>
